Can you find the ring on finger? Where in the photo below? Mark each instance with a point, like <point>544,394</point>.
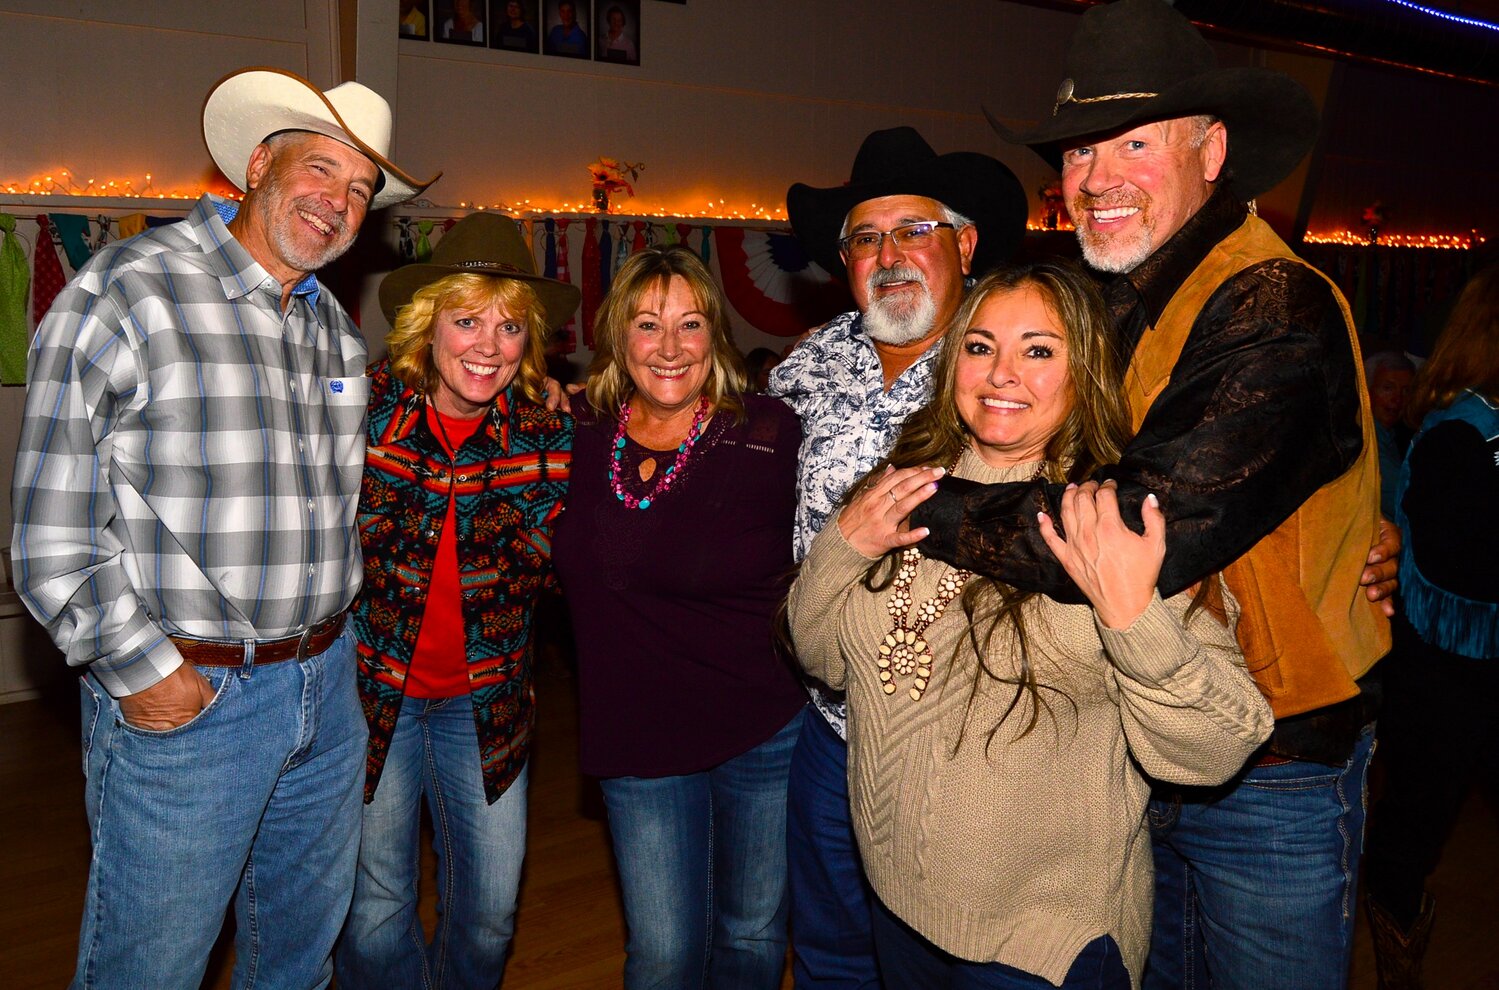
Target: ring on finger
<point>891,493</point>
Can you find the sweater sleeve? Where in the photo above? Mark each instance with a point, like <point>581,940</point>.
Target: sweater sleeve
<point>817,606</point>
<point>1261,411</point>
<point>1191,712</point>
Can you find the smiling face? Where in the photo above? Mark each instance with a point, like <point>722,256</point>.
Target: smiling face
<point>1128,194</point>
<point>1011,382</point>
<point>668,349</point>
<point>908,295</point>
<point>476,353</point>
<point>307,196</point>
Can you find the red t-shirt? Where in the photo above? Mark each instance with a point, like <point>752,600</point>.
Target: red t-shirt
<point>439,663</point>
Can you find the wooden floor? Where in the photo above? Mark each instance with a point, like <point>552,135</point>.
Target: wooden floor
<point>569,934</point>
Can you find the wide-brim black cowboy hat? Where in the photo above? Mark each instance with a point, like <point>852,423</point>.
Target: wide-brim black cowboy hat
<point>480,244</point>
<point>899,162</point>
<point>1137,61</point>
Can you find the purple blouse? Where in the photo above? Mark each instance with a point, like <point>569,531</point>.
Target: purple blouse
<point>672,606</point>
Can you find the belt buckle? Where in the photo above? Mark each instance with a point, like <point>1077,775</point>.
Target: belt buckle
<point>302,642</point>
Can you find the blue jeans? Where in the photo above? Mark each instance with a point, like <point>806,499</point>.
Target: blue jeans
<point>910,962</point>
<point>434,752</point>
<point>702,867</point>
<point>256,800</point>
<point>830,899</point>
<point>1256,880</point>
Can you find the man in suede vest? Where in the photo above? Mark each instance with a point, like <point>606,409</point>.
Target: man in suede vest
<point>1253,430</point>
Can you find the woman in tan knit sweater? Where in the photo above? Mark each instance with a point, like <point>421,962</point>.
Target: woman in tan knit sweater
<point>999,741</point>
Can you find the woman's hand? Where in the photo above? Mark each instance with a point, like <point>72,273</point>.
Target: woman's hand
<point>1113,565</point>
<point>875,522</point>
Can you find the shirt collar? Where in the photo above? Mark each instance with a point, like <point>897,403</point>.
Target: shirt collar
<point>1155,280</point>
<point>238,270</point>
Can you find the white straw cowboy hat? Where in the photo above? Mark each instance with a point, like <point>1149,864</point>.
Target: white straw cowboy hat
<point>250,105</point>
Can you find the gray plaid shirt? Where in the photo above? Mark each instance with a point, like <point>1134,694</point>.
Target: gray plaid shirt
<point>190,456</point>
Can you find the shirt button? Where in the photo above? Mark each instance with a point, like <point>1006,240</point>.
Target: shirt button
<point>463,477</point>
<point>301,445</point>
<point>309,505</point>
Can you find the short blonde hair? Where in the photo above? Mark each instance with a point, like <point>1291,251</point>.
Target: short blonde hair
<point>609,384</point>
<point>410,340</point>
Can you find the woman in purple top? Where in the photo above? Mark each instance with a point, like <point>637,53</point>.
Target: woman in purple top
<point>674,554</point>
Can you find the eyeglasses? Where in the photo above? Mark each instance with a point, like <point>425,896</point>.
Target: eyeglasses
<point>907,237</point>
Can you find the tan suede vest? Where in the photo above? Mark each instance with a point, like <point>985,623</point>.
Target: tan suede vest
<point>1307,629</point>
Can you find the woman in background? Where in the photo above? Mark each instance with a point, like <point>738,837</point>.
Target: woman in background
<point>1438,724</point>
<point>674,555</point>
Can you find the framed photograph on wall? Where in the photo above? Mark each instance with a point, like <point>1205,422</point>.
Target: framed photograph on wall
<point>513,25</point>
<point>616,31</point>
<point>413,19</point>
<point>566,32</point>
<point>459,22</point>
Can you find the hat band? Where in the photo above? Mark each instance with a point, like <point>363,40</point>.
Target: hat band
<point>501,265</point>
<point>1069,98</point>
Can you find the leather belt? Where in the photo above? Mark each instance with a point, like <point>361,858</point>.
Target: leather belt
<point>314,640</point>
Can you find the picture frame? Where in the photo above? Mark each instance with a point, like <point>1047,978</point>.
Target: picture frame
<point>460,22</point>
<point>514,26</point>
<point>414,19</point>
<point>616,31</point>
<point>565,24</point>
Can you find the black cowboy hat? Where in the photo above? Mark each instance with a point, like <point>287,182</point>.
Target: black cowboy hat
<point>1136,61</point>
<point>480,244</point>
<point>898,162</point>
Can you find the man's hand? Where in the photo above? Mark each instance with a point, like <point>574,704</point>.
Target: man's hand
<point>1114,566</point>
<point>1383,565</point>
<point>557,396</point>
<point>172,701</point>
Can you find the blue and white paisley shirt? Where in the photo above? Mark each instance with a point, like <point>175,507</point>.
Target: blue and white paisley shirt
<point>849,422</point>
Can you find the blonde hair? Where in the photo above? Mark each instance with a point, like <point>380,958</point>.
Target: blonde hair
<point>410,340</point>
<point>651,270</point>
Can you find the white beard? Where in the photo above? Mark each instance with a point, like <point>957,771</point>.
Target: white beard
<point>898,321</point>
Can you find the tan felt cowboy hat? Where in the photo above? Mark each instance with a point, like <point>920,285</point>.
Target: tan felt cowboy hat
<point>250,105</point>
<point>899,162</point>
<point>1137,61</point>
<point>480,244</point>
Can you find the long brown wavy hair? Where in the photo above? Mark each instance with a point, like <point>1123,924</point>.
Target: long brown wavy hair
<point>1466,355</point>
<point>1094,432</point>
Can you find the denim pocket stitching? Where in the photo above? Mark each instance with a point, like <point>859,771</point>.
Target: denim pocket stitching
<point>91,725</point>
<point>213,705</point>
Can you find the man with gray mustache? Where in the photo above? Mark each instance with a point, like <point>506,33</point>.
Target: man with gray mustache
<point>906,230</point>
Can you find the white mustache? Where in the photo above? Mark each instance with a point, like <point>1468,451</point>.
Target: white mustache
<point>896,273</point>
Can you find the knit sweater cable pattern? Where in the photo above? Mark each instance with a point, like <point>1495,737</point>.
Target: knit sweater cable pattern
<point>1022,850</point>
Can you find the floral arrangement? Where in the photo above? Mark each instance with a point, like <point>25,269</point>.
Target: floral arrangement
<point>609,177</point>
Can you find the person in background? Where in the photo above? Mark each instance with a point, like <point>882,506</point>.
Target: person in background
<point>1252,429</point>
<point>758,364</point>
<point>185,493</point>
<point>905,231</point>
<point>999,741</point>
<point>1438,726</point>
<point>515,32</point>
<point>675,554</point>
<point>1389,375</point>
<point>566,37</point>
<point>616,44</point>
<point>466,24</point>
<point>463,481</point>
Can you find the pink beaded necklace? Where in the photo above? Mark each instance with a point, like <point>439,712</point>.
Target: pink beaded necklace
<point>665,478</point>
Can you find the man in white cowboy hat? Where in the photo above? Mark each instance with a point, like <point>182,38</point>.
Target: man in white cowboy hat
<point>905,231</point>
<point>1253,430</point>
<point>185,493</point>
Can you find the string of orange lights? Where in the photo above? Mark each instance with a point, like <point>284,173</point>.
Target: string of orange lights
<point>64,183</point>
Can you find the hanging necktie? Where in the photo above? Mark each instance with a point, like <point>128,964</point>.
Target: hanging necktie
<point>404,239</point>
<point>15,279</point>
<point>131,224</point>
<point>640,236</point>
<point>606,258</point>
<point>47,278</point>
<point>706,249</point>
<point>593,291</point>
<point>423,249</point>
<point>72,229</point>
<point>103,236</point>
<point>668,235</point>
<point>568,338</point>
<point>622,253</point>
